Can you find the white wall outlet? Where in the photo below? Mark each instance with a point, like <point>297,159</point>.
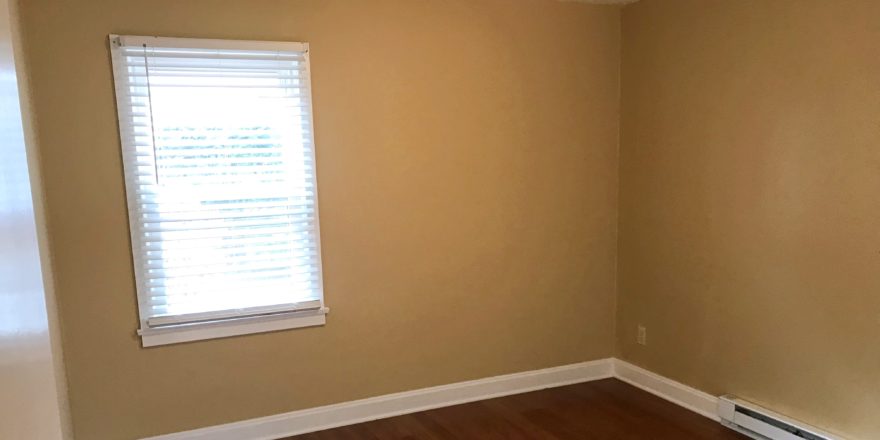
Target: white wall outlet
<point>642,338</point>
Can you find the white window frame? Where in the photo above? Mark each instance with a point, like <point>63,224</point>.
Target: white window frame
<point>273,318</point>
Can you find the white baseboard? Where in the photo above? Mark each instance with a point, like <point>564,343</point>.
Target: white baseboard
<point>348,413</point>
<point>358,411</point>
<point>677,393</point>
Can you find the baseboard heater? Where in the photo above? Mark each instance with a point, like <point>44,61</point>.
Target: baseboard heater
<point>763,424</point>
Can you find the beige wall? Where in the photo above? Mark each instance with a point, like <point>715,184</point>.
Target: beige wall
<point>466,163</point>
<point>750,202</point>
<point>467,157</point>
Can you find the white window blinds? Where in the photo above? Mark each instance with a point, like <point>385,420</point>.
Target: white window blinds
<point>220,177</point>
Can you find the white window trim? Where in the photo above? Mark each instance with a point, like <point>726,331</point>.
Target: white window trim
<point>180,333</point>
<point>176,334</point>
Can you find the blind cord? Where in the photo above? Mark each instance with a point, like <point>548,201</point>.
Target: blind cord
<point>152,127</point>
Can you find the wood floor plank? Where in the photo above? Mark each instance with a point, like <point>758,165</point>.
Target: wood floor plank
<point>601,410</point>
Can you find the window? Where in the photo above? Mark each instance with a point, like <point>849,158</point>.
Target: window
<point>220,178</point>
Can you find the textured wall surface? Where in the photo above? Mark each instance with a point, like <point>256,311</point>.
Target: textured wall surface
<point>467,169</point>
<point>749,210</point>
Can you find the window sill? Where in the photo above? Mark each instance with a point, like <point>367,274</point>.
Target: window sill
<point>175,334</point>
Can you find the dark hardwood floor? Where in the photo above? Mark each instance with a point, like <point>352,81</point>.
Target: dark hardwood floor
<point>601,410</point>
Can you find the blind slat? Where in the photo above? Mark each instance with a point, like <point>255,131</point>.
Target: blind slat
<point>196,56</point>
<point>155,209</point>
<point>221,314</point>
<point>225,277</point>
<point>232,267</point>
<point>170,250</point>
<point>157,295</point>
<point>270,249</point>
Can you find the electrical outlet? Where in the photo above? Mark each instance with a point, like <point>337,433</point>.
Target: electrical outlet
<point>642,338</point>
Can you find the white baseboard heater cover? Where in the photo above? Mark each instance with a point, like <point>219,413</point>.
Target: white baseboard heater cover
<point>763,424</point>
